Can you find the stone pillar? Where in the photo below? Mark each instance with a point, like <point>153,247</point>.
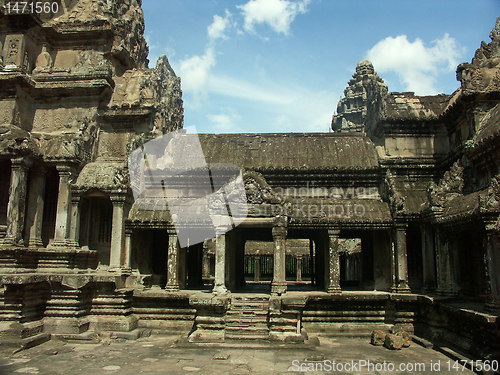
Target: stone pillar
<point>278,285</point>
<point>205,261</point>
<point>256,268</point>
<point>298,268</point>
<point>333,263</point>
<point>220,264</point>
<point>63,216</point>
<point>492,256</point>
<point>173,261</point>
<point>17,203</point>
<point>127,258</point>
<point>74,229</point>
<point>428,259</point>
<point>36,200</point>
<point>445,284</point>
<point>312,269</point>
<point>400,269</point>
<point>117,231</point>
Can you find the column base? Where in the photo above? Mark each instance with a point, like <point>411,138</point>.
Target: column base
<point>219,289</point>
<point>172,288</point>
<point>334,290</point>
<point>278,288</point>
<point>403,288</point>
<point>35,243</point>
<point>9,241</point>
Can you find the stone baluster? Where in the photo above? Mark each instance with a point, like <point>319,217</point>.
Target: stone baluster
<point>492,267</point>
<point>256,275</point>
<point>127,258</point>
<point>220,281</point>
<point>17,203</point>
<point>205,261</point>
<point>63,216</point>
<point>36,200</point>
<point>298,268</point>
<point>445,272</point>
<point>428,259</point>
<point>173,261</point>
<point>117,231</point>
<point>278,285</point>
<point>400,261</point>
<point>74,230</point>
<point>333,263</point>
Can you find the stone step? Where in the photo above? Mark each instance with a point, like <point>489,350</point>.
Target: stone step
<point>246,313</point>
<point>245,321</point>
<point>246,324</point>
<point>247,330</point>
<point>247,337</point>
<point>250,306</point>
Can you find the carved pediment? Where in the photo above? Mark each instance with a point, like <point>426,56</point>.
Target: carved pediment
<point>258,190</point>
<point>449,187</point>
<point>396,199</point>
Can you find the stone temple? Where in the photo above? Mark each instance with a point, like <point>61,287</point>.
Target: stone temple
<point>389,221</point>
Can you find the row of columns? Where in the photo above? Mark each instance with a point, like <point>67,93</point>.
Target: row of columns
<point>67,217</point>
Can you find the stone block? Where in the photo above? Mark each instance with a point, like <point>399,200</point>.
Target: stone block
<point>378,337</point>
<point>393,342</point>
<point>406,339</point>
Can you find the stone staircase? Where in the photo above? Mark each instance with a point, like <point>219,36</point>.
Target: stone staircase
<point>247,319</point>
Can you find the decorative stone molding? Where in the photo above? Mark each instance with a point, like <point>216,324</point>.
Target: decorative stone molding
<point>396,199</point>
<point>449,187</point>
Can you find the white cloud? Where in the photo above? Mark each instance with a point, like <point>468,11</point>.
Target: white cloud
<point>417,65</point>
<point>277,14</point>
<point>195,71</point>
<point>216,30</point>
<point>225,122</point>
<point>236,88</point>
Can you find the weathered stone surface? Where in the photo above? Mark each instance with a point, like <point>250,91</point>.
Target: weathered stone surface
<point>393,341</point>
<point>378,337</point>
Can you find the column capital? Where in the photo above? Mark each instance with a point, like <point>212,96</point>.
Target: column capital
<point>20,163</point>
<point>172,231</point>
<point>64,169</point>
<point>118,198</point>
<point>279,231</point>
<point>400,226</point>
<point>333,232</point>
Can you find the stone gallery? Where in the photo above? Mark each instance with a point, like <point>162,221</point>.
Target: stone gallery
<point>389,221</point>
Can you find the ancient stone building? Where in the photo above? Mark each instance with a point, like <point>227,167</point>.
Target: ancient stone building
<point>389,221</point>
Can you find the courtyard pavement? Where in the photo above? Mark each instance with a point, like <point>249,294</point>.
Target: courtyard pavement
<point>170,355</point>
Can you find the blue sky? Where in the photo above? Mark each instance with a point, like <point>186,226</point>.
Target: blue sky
<point>282,65</point>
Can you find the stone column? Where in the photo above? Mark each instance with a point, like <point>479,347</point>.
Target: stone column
<point>445,284</point>
<point>205,261</point>
<point>220,264</point>
<point>63,216</point>
<point>298,267</point>
<point>256,268</point>
<point>492,256</point>
<point>333,262</point>
<point>312,269</point>
<point>127,258</point>
<point>400,269</point>
<point>17,203</point>
<point>36,200</point>
<point>173,261</point>
<point>74,229</point>
<point>117,231</point>
<point>278,285</point>
<point>428,259</point>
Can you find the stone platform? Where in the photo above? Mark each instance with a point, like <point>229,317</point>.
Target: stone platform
<point>163,355</point>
